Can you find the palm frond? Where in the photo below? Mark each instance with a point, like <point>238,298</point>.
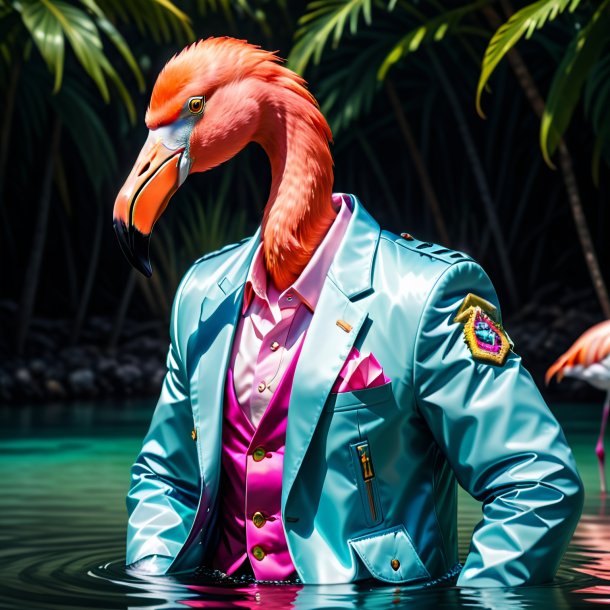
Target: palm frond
<point>322,20</point>
<point>523,23</point>
<point>161,19</point>
<point>570,76</point>
<point>87,132</point>
<point>597,102</point>
<point>117,40</point>
<point>349,85</point>
<point>217,6</point>
<point>51,22</point>
<point>432,30</point>
<point>46,30</point>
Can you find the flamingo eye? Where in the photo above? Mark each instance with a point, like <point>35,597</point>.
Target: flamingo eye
<point>196,105</point>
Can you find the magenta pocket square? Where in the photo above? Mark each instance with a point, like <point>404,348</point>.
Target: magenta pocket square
<point>359,372</point>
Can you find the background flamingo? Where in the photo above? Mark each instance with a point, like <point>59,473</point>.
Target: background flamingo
<point>589,359</point>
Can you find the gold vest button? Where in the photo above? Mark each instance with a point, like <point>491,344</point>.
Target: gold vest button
<point>258,519</point>
<point>194,434</point>
<point>395,564</point>
<point>258,553</point>
<point>258,454</point>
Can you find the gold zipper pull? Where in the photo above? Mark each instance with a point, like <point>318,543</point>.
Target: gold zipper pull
<point>368,474</point>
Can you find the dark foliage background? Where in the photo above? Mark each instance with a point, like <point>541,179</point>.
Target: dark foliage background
<point>95,328</point>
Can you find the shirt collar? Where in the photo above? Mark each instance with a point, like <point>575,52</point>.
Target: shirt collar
<point>309,284</point>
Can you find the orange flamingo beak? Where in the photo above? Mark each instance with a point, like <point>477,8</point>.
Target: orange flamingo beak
<point>155,177</point>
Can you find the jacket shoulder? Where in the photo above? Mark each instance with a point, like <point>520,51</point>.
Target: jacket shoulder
<point>425,252</point>
<point>206,270</point>
<point>219,254</point>
<point>414,268</point>
<point>224,250</point>
<point>203,274</point>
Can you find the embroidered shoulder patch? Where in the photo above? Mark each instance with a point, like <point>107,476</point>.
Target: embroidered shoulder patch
<point>483,333</point>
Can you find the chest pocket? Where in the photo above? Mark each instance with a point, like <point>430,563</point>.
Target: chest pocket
<point>360,399</point>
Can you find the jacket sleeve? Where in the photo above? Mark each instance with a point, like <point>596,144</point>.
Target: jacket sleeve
<point>505,446</point>
<point>165,479</point>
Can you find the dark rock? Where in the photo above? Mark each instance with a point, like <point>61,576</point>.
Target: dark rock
<point>156,379</point>
<point>127,358</point>
<point>82,382</point>
<point>106,366</point>
<point>129,376</point>
<point>6,386</point>
<point>54,388</point>
<point>38,367</point>
<point>23,376</point>
<point>55,370</point>
<point>26,385</point>
<point>38,341</point>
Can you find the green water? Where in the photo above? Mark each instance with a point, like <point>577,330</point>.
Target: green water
<point>65,473</point>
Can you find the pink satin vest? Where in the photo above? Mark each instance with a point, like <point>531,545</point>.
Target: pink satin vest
<point>252,463</point>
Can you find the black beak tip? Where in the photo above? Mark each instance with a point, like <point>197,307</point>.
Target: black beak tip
<point>135,247</point>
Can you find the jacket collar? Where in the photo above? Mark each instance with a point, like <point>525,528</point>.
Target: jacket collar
<point>352,266</point>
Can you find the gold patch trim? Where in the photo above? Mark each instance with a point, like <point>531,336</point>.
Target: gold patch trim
<point>474,301</point>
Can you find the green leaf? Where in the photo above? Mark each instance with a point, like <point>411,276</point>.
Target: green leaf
<point>120,86</point>
<point>323,19</point>
<point>569,78</point>
<point>47,33</point>
<point>87,132</point>
<point>115,37</point>
<point>433,30</point>
<point>348,85</point>
<point>160,19</point>
<point>597,95</point>
<point>523,23</point>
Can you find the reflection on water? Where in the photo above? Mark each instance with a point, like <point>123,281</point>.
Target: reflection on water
<point>593,536</point>
<point>65,472</point>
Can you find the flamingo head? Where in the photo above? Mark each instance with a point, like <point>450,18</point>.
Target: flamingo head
<point>208,103</point>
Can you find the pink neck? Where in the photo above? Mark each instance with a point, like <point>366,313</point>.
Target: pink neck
<point>299,210</point>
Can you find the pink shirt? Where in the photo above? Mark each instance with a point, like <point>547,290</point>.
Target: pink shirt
<point>272,323</point>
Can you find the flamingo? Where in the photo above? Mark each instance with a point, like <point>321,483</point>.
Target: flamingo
<point>210,101</point>
<point>589,359</point>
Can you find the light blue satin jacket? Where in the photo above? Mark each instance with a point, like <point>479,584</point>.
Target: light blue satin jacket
<point>445,416</point>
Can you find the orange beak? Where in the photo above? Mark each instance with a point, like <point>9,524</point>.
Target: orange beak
<point>153,180</point>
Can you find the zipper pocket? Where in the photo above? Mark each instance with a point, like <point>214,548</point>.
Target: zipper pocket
<point>367,483</point>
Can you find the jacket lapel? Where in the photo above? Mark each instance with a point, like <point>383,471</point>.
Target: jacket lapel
<point>211,349</point>
<point>327,344</point>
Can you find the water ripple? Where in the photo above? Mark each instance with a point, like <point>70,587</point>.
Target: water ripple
<point>62,529</point>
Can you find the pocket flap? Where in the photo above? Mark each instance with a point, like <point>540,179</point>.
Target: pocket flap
<point>390,556</point>
<point>366,397</point>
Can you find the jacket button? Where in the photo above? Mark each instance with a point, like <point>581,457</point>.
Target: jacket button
<point>258,553</point>
<point>261,386</point>
<point>274,346</point>
<point>258,519</point>
<point>407,236</point>
<point>395,564</point>
<point>194,434</point>
<point>258,454</point>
